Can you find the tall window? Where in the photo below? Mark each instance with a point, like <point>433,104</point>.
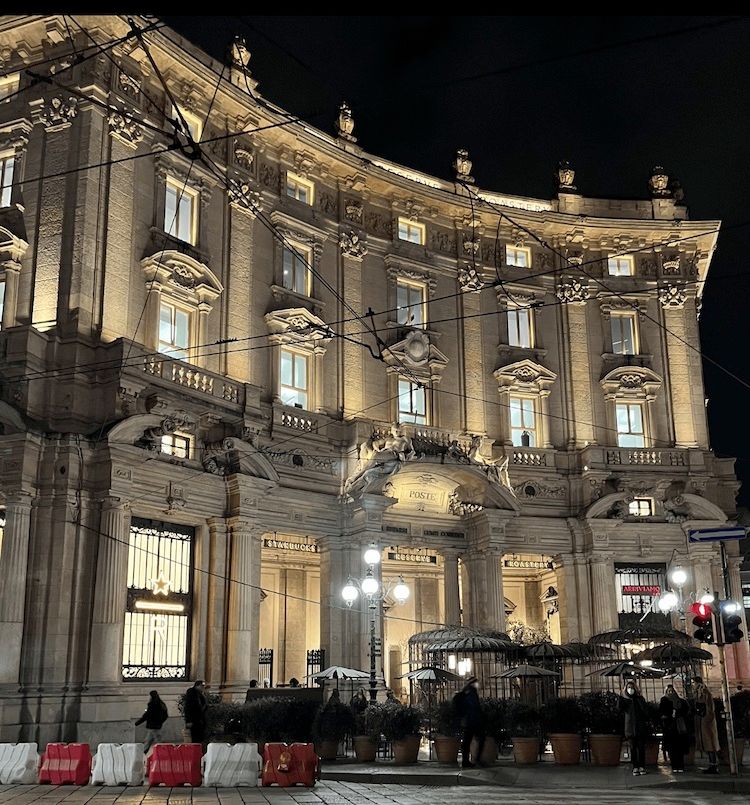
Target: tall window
<point>296,269</point>
<point>620,266</point>
<point>194,122</point>
<point>624,334</point>
<point>294,382</point>
<point>7,164</point>
<point>159,602</point>
<point>174,331</point>
<point>180,212</point>
<point>641,507</point>
<point>520,327</point>
<point>412,404</point>
<point>523,422</point>
<point>300,188</point>
<point>411,231</point>
<point>178,445</point>
<point>630,430</point>
<point>410,300</point>
<point>519,256</point>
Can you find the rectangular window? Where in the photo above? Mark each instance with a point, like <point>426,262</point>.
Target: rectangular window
<point>519,256</point>
<point>178,445</point>
<point>293,386</point>
<point>300,188</point>
<point>641,507</point>
<point>7,163</point>
<point>523,422</point>
<point>174,331</point>
<point>296,268</point>
<point>411,231</point>
<point>159,601</point>
<point>630,431</point>
<point>638,588</point>
<point>623,334</point>
<point>520,327</point>
<point>194,122</point>
<point>180,209</point>
<point>9,85</point>
<point>412,403</point>
<point>410,301</point>
<point>620,266</point>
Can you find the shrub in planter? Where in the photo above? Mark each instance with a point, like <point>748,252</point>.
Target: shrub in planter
<point>367,728</point>
<point>333,722</point>
<point>562,723</point>
<point>446,725</point>
<point>605,722</point>
<point>493,712</point>
<point>522,722</point>
<point>402,725</point>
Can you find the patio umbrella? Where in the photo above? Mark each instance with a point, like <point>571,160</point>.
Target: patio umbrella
<point>629,669</point>
<point>340,672</point>
<point>548,651</point>
<point>525,672</point>
<point>637,634</point>
<point>431,674</point>
<point>673,654</point>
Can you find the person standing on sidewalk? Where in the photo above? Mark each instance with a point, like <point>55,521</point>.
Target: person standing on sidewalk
<point>636,725</point>
<point>674,711</point>
<point>154,715</point>
<point>469,708</point>
<point>706,733</point>
<point>195,711</point>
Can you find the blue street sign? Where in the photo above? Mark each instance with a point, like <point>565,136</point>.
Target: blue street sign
<point>716,534</point>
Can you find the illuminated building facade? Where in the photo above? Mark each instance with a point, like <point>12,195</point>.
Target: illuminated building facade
<point>196,416</point>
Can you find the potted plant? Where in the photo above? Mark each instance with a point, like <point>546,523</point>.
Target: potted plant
<point>493,712</point>
<point>604,722</point>
<point>447,724</point>
<point>522,721</point>
<point>561,719</point>
<point>401,726</point>
<point>367,728</point>
<point>333,722</point>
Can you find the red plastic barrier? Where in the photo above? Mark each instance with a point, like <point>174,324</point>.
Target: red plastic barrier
<point>175,764</point>
<point>289,764</point>
<point>66,764</point>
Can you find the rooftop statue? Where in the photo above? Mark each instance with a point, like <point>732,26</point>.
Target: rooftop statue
<point>379,458</point>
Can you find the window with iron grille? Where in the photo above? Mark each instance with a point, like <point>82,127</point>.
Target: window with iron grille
<point>639,586</point>
<point>158,613</point>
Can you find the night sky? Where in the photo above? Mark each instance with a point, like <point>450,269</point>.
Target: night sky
<point>614,95</point>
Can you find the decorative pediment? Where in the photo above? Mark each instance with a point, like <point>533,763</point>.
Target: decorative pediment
<point>636,382</point>
<point>182,276</point>
<point>299,325</point>
<point>418,352</point>
<point>525,375</point>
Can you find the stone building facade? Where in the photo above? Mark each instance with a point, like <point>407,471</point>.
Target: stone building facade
<point>203,348</point>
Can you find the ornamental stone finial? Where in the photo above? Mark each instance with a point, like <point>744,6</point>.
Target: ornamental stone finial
<point>658,184</point>
<point>565,178</point>
<point>345,123</point>
<point>462,165</point>
<point>239,54</point>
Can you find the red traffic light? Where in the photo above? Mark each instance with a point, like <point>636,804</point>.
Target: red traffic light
<point>703,611</point>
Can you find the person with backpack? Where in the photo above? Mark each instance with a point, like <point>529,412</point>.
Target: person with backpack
<point>154,715</point>
<point>469,710</point>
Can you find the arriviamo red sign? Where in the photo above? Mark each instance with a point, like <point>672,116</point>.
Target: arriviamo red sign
<point>641,589</point>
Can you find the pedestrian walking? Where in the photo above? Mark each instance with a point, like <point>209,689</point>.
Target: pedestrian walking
<point>706,733</point>
<point>154,715</point>
<point>195,711</point>
<point>469,709</point>
<point>637,726</point>
<point>674,712</point>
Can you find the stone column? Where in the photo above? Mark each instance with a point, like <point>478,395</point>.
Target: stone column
<point>111,592</point>
<point>244,602</point>
<point>466,611</point>
<point>239,299</point>
<point>475,563</point>
<point>574,313</point>
<point>198,356</point>
<point>568,598</point>
<point>583,590</point>
<point>495,601</point>
<point>604,602</point>
<point>14,558</point>
<point>352,254</point>
<point>451,589</point>
<point>474,364</point>
<point>219,572</point>
<point>741,649</point>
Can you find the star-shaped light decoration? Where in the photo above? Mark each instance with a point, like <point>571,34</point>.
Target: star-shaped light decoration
<point>161,585</point>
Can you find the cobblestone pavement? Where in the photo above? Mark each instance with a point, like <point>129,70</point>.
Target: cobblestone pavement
<point>339,793</point>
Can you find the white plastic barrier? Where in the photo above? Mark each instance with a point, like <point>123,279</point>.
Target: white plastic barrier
<point>19,763</point>
<point>118,764</point>
<point>228,766</point>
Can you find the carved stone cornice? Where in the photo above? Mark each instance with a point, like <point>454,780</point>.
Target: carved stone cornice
<point>352,245</point>
<point>672,297</point>
<point>57,112</point>
<point>122,127</point>
<point>470,279</point>
<point>572,291</point>
<point>243,198</point>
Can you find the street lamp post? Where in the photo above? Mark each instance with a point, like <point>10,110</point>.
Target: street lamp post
<point>375,593</point>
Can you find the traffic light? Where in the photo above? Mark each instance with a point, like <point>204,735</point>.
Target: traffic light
<point>703,621</point>
<point>731,621</point>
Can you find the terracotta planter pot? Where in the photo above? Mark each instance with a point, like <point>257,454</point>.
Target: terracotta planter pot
<point>365,748</point>
<point>406,751</point>
<point>489,751</point>
<point>652,751</point>
<point>327,750</point>
<point>525,751</point>
<point>566,747</point>
<point>446,749</point>
<point>605,749</point>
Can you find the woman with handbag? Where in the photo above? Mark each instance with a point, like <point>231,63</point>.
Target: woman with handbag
<point>706,733</point>
<point>674,711</point>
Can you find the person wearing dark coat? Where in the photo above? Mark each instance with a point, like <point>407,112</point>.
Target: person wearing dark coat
<point>674,712</point>
<point>155,715</point>
<point>470,710</point>
<point>636,725</point>
<point>195,711</point>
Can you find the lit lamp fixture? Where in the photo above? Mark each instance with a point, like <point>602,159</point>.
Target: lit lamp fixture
<point>670,600</point>
<point>707,598</point>
<point>679,577</point>
<point>375,592</point>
